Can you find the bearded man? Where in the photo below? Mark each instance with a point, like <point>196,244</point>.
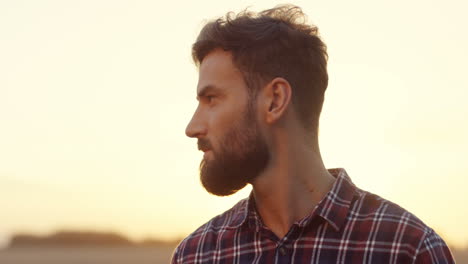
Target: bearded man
<point>262,79</point>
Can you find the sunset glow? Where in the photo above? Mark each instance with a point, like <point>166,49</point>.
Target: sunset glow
<point>95,97</point>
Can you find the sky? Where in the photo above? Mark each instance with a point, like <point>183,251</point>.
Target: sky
<point>95,97</point>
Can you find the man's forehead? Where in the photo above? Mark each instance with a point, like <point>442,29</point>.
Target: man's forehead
<point>216,70</point>
<point>217,56</point>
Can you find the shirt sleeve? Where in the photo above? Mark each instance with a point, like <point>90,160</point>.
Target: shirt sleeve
<point>433,250</point>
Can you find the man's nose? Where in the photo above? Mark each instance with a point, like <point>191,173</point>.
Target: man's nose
<point>196,127</point>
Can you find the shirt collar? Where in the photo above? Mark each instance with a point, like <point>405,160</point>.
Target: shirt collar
<point>240,212</point>
<point>333,208</point>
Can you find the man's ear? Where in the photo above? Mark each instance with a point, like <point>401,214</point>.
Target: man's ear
<point>277,98</point>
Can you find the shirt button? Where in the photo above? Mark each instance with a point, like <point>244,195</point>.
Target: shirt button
<point>282,251</point>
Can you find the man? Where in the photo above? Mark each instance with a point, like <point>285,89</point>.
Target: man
<point>262,79</point>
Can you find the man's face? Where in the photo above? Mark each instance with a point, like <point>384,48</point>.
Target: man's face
<point>226,127</point>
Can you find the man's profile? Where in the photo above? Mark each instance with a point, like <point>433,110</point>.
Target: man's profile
<point>262,79</point>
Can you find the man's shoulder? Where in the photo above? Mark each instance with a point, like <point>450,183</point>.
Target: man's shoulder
<point>388,220</point>
<point>373,207</point>
<point>387,225</point>
<point>207,234</point>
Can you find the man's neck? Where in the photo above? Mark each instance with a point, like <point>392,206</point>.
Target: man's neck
<point>291,186</point>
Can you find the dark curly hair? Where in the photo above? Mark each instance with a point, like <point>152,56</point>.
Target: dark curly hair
<point>273,43</point>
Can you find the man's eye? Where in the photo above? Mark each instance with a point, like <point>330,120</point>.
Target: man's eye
<point>209,98</point>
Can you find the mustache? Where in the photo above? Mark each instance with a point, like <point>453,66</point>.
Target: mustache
<point>204,144</point>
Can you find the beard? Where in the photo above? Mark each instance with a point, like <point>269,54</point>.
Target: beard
<point>243,154</point>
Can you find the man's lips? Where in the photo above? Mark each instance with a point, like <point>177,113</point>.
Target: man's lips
<point>203,145</point>
<point>204,150</point>
<point>206,153</point>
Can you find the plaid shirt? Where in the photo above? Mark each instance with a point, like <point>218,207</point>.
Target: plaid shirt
<point>349,225</point>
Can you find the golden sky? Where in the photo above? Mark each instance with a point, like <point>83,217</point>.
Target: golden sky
<point>95,97</point>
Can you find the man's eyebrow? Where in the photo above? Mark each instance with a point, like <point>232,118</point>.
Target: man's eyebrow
<point>206,89</point>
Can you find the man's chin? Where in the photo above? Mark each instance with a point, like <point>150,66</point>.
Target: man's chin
<point>208,155</point>
<point>219,182</point>
<point>222,190</point>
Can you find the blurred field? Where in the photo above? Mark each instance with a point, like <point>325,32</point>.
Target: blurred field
<point>461,256</point>
<point>106,255</point>
<point>87,255</point>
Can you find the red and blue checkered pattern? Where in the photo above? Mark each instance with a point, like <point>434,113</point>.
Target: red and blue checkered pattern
<point>349,225</point>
